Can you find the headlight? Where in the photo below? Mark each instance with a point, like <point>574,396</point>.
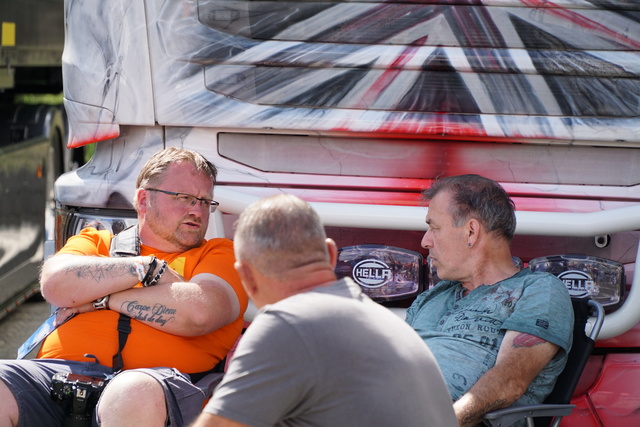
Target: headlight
<point>601,279</point>
<point>384,273</point>
<point>70,222</point>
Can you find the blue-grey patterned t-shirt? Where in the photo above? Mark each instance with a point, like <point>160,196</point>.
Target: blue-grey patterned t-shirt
<point>465,332</point>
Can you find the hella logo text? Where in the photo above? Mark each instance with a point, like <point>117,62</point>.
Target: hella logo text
<point>578,283</point>
<point>371,273</point>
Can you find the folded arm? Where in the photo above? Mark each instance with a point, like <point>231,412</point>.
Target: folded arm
<point>520,358</point>
<point>174,305</point>
<point>193,308</point>
<point>72,280</point>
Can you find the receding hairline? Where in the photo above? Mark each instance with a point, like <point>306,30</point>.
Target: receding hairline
<point>473,195</point>
<point>160,162</point>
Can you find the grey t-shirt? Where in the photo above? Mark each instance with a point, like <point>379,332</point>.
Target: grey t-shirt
<point>465,333</point>
<point>332,357</point>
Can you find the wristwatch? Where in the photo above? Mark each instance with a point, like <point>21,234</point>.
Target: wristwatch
<point>101,303</point>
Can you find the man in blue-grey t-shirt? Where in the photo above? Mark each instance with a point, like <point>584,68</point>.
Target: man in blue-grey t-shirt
<point>500,334</point>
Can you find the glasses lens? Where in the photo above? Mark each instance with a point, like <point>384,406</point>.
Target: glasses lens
<point>186,200</point>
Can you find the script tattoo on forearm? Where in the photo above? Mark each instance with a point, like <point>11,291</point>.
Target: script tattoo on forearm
<point>158,313</point>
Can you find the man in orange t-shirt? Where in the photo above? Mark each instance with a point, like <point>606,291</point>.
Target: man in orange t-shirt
<point>182,294</point>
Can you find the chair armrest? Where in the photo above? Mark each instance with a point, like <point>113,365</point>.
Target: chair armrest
<point>508,416</point>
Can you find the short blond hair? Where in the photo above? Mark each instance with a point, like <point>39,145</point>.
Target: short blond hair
<point>157,165</point>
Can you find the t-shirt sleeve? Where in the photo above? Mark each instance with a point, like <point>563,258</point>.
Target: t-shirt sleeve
<point>544,310</point>
<point>220,260</point>
<point>89,242</point>
<point>269,377</point>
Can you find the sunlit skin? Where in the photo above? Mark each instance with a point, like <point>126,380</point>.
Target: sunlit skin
<point>466,253</point>
<point>447,244</point>
<point>171,227</point>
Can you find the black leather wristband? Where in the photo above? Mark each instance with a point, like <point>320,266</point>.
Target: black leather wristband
<point>152,268</point>
<point>155,279</point>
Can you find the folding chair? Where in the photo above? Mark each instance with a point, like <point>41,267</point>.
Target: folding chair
<point>556,405</point>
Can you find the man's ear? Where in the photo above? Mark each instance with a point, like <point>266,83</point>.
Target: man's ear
<point>247,277</point>
<point>473,228</point>
<point>333,252</point>
<point>141,199</point>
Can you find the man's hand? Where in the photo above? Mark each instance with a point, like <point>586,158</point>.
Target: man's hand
<point>65,313</point>
<point>520,359</point>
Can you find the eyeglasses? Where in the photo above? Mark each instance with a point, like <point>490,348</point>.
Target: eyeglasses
<point>187,200</point>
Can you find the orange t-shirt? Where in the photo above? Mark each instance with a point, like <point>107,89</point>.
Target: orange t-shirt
<point>96,332</point>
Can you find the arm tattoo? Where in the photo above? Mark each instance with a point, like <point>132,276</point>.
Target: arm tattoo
<point>98,272</point>
<point>526,340</point>
<point>158,313</point>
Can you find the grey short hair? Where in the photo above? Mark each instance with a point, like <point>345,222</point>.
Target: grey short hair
<point>478,197</point>
<point>278,233</point>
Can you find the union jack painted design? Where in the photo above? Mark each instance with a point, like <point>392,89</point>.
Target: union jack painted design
<point>495,69</point>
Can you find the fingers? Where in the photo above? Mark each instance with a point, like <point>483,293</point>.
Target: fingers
<point>63,315</point>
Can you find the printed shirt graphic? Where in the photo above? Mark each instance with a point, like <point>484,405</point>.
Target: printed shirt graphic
<point>96,332</point>
<point>465,333</point>
<point>178,265</point>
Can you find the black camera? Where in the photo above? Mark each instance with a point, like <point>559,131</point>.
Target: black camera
<point>78,395</point>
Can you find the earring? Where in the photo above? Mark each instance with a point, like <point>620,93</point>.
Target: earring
<point>469,244</point>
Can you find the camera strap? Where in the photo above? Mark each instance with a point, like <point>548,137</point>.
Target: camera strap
<point>125,243</point>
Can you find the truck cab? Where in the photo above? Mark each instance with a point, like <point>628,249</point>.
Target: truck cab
<point>357,106</point>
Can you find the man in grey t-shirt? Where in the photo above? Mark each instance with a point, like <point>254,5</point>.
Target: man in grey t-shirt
<point>500,335</point>
<point>319,352</point>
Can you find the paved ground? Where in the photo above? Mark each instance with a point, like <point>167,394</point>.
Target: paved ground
<point>18,325</point>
